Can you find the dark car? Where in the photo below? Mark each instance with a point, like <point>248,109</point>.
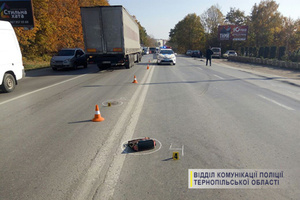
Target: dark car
<point>152,50</point>
<point>197,53</point>
<point>69,58</point>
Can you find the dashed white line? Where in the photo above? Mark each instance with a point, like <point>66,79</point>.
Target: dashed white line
<point>218,77</point>
<point>275,102</point>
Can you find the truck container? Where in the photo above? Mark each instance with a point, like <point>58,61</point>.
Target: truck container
<point>11,64</point>
<point>111,36</point>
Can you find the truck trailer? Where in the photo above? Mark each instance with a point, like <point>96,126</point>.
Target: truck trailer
<point>111,36</point>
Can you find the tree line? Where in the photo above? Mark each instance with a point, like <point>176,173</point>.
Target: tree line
<point>58,25</point>
<point>266,27</point>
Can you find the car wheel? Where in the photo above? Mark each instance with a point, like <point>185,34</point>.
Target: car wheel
<point>9,83</point>
<point>75,66</point>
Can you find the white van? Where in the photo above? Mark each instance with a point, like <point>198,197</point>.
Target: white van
<point>11,65</point>
<point>217,52</point>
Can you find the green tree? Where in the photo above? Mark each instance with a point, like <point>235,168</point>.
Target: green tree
<point>236,17</point>
<point>187,34</point>
<point>266,23</point>
<point>211,19</point>
<point>290,34</point>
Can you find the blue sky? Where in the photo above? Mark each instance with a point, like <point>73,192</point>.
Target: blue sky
<point>159,16</point>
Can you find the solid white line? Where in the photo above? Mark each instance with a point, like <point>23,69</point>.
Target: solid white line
<point>38,90</point>
<point>275,102</point>
<point>113,174</point>
<point>218,76</point>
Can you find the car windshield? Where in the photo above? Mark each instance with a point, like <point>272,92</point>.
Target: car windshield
<point>216,50</point>
<point>166,52</point>
<point>66,53</point>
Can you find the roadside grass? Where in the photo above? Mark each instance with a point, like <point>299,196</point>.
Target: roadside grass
<point>38,63</point>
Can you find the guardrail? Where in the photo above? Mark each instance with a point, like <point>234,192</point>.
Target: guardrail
<point>264,61</point>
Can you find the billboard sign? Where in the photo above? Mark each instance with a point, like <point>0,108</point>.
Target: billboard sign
<point>18,12</point>
<point>233,32</point>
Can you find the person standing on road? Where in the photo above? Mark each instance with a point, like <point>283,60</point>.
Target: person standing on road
<point>209,53</point>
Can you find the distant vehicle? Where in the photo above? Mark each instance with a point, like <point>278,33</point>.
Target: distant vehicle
<point>217,52</point>
<point>11,64</point>
<point>188,52</point>
<point>145,50</point>
<point>196,53</point>
<point>69,58</point>
<point>166,56</point>
<point>111,36</point>
<point>229,53</point>
<point>152,50</point>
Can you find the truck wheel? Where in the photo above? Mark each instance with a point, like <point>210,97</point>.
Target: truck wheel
<point>127,63</point>
<point>9,83</point>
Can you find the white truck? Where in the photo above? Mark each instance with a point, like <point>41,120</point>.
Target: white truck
<point>111,36</point>
<point>11,64</point>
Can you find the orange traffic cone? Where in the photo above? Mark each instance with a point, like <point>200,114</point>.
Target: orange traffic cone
<point>149,60</point>
<point>134,81</point>
<point>97,117</point>
<point>148,66</point>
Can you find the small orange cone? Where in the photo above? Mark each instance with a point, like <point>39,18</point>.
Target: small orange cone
<point>97,117</point>
<point>149,60</point>
<point>134,81</point>
<point>148,66</point>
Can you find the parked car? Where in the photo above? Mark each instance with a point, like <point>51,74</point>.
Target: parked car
<point>217,52</point>
<point>166,56</point>
<point>197,53</point>
<point>69,58</point>
<point>229,53</point>
<point>189,52</point>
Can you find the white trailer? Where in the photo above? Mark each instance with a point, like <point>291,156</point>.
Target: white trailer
<point>111,36</point>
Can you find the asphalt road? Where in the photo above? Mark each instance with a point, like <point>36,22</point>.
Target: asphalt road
<point>217,117</point>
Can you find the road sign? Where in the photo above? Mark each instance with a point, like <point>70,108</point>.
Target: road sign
<point>18,12</point>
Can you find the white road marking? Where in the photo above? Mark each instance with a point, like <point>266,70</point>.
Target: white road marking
<point>275,102</point>
<point>108,188</point>
<point>41,89</point>
<point>131,112</point>
<point>218,77</point>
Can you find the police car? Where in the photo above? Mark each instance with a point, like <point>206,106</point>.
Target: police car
<point>166,56</point>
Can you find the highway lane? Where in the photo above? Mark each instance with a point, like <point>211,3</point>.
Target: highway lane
<point>223,121</point>
<point>222,118</point>
<point>47,140</point>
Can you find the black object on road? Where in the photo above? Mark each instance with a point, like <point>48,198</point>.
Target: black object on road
<point>142,144</point>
